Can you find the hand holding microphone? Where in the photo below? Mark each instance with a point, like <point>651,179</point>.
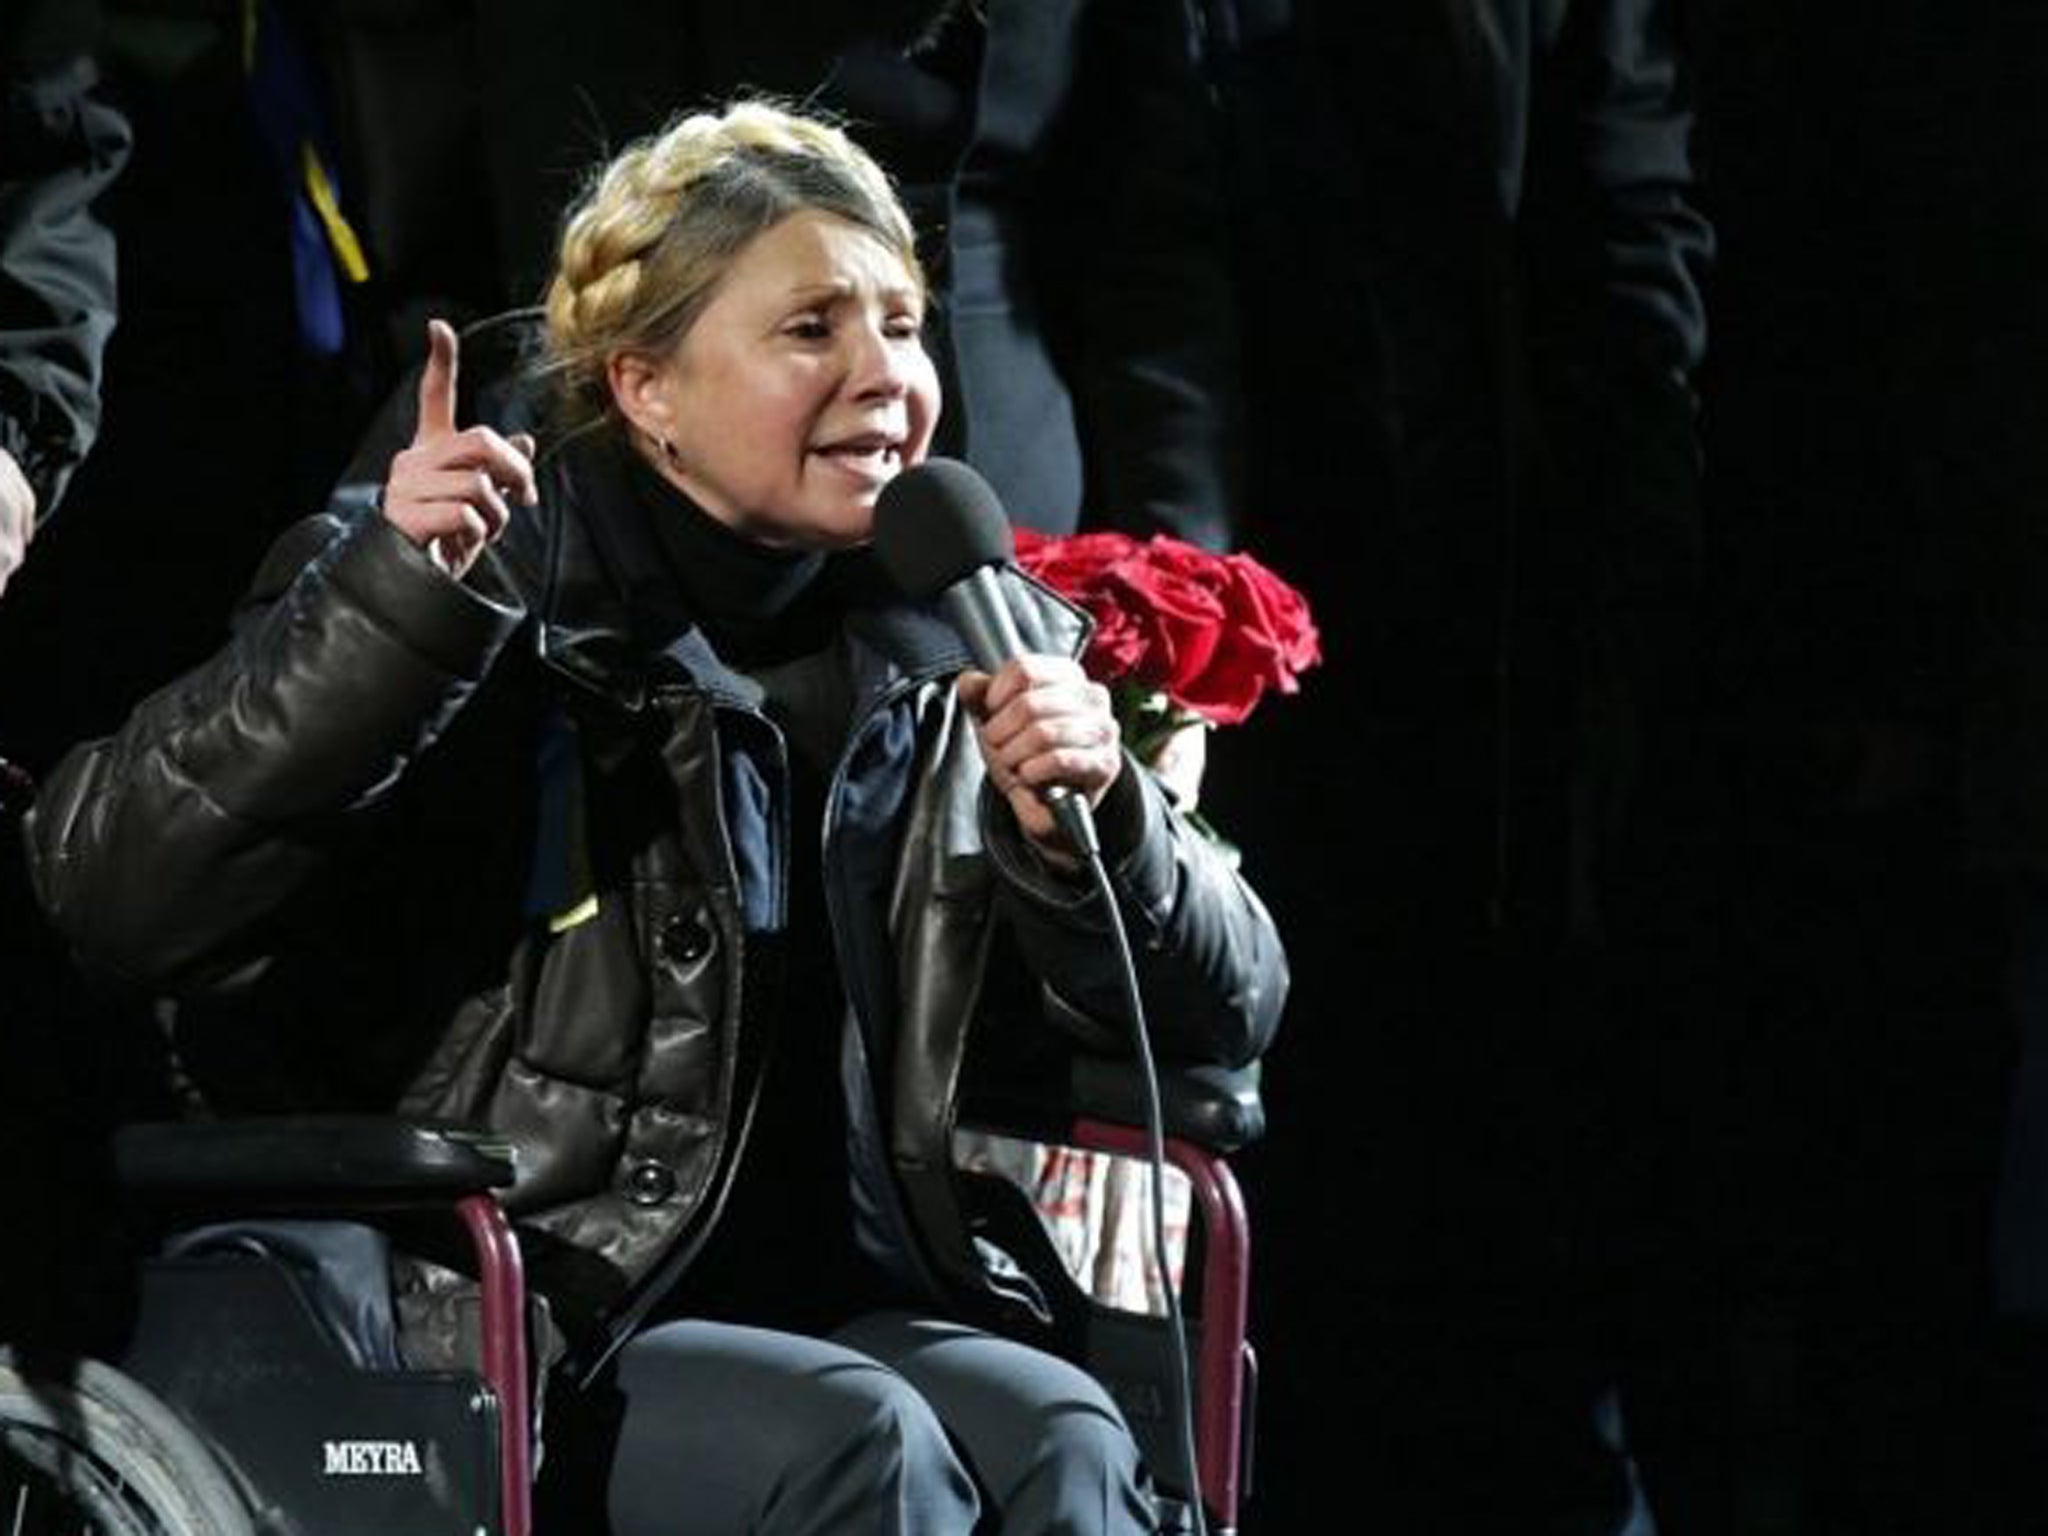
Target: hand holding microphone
<point>448,491</point>
<point>1046,731</point>
<point>1047,735</point>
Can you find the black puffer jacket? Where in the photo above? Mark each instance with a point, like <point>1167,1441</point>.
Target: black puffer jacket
<point>467,849</point>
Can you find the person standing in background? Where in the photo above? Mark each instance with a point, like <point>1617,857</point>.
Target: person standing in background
<point>1509,560</point>
<point>1879,475</point>
<point>60,146</point>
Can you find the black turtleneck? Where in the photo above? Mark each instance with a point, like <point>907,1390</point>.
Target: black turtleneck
<point>750,597</point>
<point>771,613</point>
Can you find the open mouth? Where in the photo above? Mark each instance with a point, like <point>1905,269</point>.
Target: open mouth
<point>876,454</point>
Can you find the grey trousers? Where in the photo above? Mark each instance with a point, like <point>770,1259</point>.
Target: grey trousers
<point>897,1426</point>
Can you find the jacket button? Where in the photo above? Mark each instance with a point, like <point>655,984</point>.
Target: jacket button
<point>649,1184</point>
<point>685,938</point>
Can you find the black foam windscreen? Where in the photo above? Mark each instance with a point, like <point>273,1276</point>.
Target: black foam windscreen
<point>936,523</point>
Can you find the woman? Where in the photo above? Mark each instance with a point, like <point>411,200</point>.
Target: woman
<point>502,805</point>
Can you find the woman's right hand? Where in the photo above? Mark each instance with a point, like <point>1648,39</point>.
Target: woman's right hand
<point>450,491</point>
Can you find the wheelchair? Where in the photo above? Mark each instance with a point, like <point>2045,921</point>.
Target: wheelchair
<point>261,1390</point>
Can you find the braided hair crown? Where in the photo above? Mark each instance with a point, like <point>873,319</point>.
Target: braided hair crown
<point>657,227</point>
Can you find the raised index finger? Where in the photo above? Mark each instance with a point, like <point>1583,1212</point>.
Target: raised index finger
<point>437,383</point>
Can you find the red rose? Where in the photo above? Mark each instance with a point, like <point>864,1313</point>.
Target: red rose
<point>1212,632</point>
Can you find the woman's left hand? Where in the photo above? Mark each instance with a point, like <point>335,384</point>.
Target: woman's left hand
<point>1041,722</point>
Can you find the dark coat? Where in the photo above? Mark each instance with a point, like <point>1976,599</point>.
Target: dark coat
<point>60,145</point>
<point>1525,234</point>
<point>361,844</point>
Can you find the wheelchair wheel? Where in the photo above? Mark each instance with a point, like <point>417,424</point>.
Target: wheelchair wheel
<point>85,1451</point>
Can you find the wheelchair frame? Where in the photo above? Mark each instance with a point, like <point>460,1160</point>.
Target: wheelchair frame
<point>344,1167</point>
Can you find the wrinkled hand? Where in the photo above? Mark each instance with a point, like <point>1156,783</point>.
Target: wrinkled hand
<point>17,516</point>
<point>450,491</point>
<point>1040,722</point>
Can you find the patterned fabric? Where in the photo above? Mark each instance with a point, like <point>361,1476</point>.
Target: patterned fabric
<point>1097,1211</point>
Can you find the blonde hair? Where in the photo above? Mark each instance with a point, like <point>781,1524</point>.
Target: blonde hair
<point>656,228</point>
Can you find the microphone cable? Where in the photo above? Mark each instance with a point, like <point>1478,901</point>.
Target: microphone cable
<point>1155,1138</point>
<point>941,533</point>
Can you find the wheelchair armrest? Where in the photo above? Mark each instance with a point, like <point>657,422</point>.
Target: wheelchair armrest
<point>1215,1108</point>
<point>355,1163</point>
<point>323,1160</point>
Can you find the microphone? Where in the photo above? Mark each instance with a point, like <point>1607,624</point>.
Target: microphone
<point>941,532</point>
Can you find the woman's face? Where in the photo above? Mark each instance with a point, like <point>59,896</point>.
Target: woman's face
<point>800,391</point>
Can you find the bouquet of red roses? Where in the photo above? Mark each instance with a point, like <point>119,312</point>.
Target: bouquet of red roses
<point>1184,639</point>
<point>1182,635</point>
